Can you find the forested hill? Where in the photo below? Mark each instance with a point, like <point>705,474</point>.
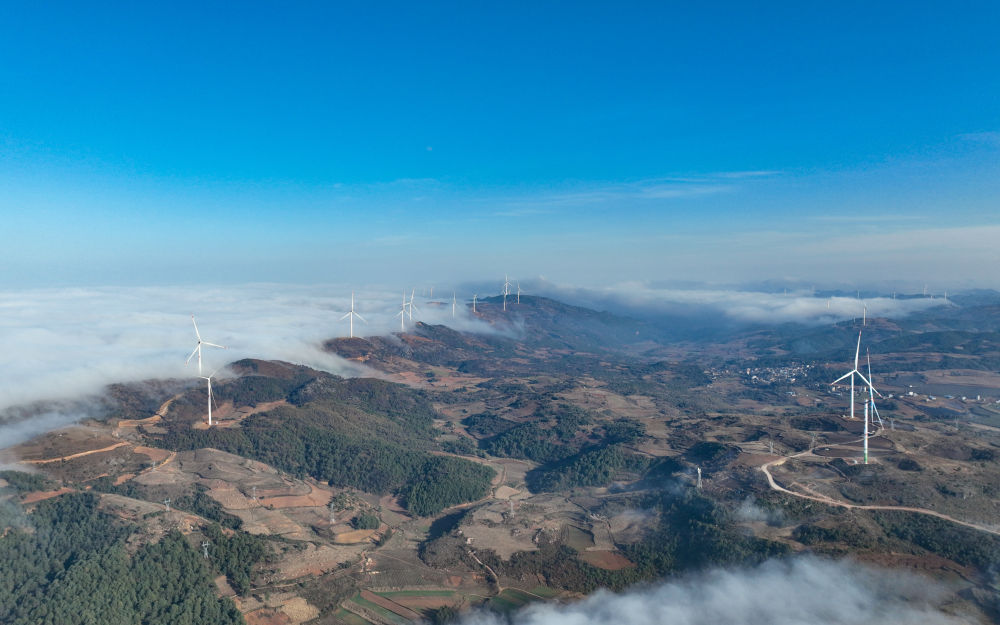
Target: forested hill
<point>364,433</point>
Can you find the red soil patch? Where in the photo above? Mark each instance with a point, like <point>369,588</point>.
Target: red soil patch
<point>39,496</point>
<point>131,423</point>
<point>156,455</point>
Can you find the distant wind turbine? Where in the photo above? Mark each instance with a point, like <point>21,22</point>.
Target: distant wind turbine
<point>518,291</point>
<point>506,290</point>
<point>197,348</point>
<point>474,296</point>
<point>351,315</point>
<point>454,304</point>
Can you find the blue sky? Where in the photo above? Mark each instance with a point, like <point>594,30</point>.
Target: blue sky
<point>583,142</point>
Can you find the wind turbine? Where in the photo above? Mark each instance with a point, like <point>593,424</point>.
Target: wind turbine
<point>402,315</point>
<point>197,348</point>
<point>854,372</point>
<point>454,304</point>
<point>351,315</point>
<point>506,290</point>
<point>410,305</point>
<point>518,291</point>
<point>208,379</point>
<point>474,296</point>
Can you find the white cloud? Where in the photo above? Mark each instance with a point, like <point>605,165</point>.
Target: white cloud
<point>802,591</point>
<point>737,305</point>
<point>69,343</point>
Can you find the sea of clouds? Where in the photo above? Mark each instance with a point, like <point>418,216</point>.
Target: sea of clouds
<point>66,344</point>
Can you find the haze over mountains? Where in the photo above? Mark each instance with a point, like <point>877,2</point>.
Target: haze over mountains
<point>67,344</point>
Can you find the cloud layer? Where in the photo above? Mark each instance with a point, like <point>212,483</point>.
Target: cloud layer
<point>802,591</point>
<point>63,344</point>
<point>737,305</point>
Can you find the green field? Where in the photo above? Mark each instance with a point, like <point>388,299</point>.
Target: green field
<point>511,599</point>
<point>377,609</point>
<point>545,591</point>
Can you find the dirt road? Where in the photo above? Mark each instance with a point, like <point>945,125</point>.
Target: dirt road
<point>766,468</point>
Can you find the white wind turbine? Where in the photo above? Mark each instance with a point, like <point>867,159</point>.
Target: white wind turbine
<point>853,372</point>
<point>208,379</point>
<point>474,296</point>
<point>506,290</point>
<point>850,374</point>
<point>454,304</point>
<point>197,348</point>
<point>351,315</point>
<point>518,291</point>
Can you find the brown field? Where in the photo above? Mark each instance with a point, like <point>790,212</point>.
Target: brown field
<point>353,537</point>
<point>608,560</point>
<point>314,560</point>
<point>316,497</point>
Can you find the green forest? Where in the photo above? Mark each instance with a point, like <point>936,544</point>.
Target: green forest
<point>304,445</point>
<point>68,564</point>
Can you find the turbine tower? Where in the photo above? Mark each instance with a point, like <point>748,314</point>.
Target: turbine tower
<point>474,296</point>
<point>197,348</point>
<point>866,431</point>
<point>208,379</point>
<point>454,304</point>
<point>351,315</point>
<point>518,291</point>
<point>871,393</point>
<point>410,305</point>
<point>853,372</point>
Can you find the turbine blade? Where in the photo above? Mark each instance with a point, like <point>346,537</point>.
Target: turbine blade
<point>360,317</point>
<point>214,345</point>
<point>857,352</point>
<point>192,354</point>
<point>346,315</point>
<point>846,375</point>
<point>196,333</point>
<point>866,381</point>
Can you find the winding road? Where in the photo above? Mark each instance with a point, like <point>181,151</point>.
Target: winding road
<point>766,468</point>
